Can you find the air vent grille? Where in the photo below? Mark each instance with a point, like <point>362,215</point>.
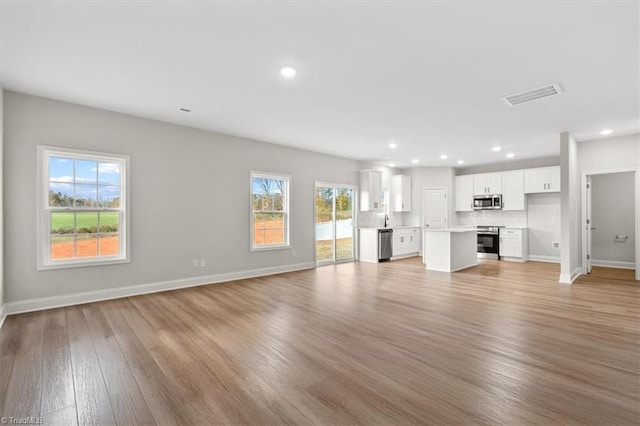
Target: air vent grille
<point>533,94</point>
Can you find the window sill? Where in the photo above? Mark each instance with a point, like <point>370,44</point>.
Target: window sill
<point>82,264</point>
<point>270,248</point>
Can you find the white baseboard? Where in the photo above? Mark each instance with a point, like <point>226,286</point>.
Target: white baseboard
<point>514,259</point>
<point>404,256</point>
<point>548,259</point>
<point>42,303</point>
<point>569,279</point>
<point>613,264</point>
<point>3,315</point>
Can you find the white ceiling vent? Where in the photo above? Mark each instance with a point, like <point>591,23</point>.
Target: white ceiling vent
<point>533,94</point>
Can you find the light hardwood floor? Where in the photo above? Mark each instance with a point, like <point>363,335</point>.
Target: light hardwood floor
<point>348,344</point>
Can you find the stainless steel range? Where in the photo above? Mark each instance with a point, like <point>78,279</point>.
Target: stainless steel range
<point>488,242</point>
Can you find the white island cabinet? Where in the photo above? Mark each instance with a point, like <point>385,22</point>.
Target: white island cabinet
<point>450,249</point>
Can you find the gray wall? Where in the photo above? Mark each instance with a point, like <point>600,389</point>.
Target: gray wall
<point>189,196</point>
<point>613,209</point>
<point>1,198</point>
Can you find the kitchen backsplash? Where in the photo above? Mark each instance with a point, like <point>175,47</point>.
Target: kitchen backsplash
<point>376,220</point>
<point>497,218</point>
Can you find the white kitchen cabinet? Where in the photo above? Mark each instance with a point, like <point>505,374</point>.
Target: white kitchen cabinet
<point>368,245</point>
<point>545,179</point>
<point>513,190</point>
<point>487,183</point>
<point>464,193</point>
<point>401,193</point>
<point>406,241</point>
<point>514,244</point>
<point>370,190</point>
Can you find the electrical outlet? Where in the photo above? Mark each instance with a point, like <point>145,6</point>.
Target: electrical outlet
<point>194,263</point>
<point>556,244</point>
<point>203,263</point>
<point>293,252</point>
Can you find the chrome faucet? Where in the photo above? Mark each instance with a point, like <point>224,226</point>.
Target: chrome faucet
<point>386,219</point>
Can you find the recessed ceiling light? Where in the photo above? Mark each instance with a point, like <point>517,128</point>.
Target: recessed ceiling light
<point>392,165</point>
<point>184,109</point>
<point>510,155</point>
<point>288,72</point>
<point>393,145</point>
<point>496,149</point>
<point>460,161</point>
<point>606,132</point>
<point>415,161</point>
<point>443,157</point>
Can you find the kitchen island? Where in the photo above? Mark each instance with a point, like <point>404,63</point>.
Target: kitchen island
<point>450,249</point>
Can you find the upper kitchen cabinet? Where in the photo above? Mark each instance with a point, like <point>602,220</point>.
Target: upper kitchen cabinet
<point>370,190</point>
<point>401,193</point>
<point>464,193</point>
<point>513,190</point>
<point>487,183</point>
<point>546,179</point>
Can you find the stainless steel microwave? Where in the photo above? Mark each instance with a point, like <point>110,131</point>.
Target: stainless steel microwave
<point>487,202</point>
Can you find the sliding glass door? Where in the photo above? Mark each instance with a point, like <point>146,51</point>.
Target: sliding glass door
<point>334,223</point>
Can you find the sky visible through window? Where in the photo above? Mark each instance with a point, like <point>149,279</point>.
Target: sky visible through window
<point>96,182</point>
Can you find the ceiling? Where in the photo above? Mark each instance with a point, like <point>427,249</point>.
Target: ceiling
<point>429,76</point>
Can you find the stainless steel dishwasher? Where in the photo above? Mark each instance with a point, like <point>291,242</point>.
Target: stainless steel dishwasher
<point>385,247</point>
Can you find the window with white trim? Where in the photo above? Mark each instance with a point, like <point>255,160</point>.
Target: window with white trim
<point>269,211</point>
<point>82,203</point>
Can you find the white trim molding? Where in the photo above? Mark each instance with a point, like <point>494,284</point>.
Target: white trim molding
<point>42,303</point>
<point>613,264</point>
<point>565,279</point>
<point>3,315</point>
<point>548,259</point>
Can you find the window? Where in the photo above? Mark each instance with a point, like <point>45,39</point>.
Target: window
<point>82,208</point>
<point>269,211</point>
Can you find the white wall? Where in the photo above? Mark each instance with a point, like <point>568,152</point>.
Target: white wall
<point>609,153</point>
<point>613,154</point>
<point>613,213</point>
<point>189,196</point>
<point>570,251</point>
<point>543,221</point>
<point>429,177</point>
<point>506,165</point>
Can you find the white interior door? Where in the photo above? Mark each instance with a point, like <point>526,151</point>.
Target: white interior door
<point>589,224</point>
<point>435,208</point>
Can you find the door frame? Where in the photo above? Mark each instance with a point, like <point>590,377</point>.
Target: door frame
<point>583,197</point>
<point>334,185</point>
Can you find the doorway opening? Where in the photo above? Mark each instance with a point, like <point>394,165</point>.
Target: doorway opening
<point>334,223</point>
<point>609,225</point>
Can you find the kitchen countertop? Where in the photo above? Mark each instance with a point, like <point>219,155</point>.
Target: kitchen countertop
<point>456,230</point>
<point>388,227</point>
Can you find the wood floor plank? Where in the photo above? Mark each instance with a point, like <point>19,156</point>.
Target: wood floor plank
<point>57,387</point>
<point>92,400</point>
<point>128,404</point>
<point>158,391</point>
<point>66,416</point>
<point>24,388</point>
<point>356,343</point>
